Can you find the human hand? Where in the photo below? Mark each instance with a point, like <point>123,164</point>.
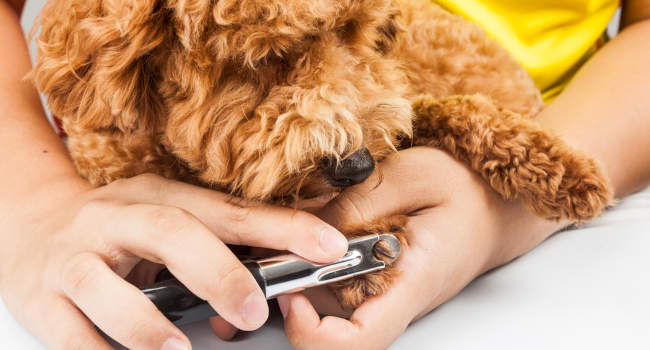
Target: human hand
<point>62,270</point>
<point>458,228</point>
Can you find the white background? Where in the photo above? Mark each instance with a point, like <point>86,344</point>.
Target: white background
<point>587,288</point>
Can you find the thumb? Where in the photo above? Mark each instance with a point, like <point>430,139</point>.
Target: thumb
<point>401,184</point>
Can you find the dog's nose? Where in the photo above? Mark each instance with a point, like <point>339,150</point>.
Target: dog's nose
<point>352,170</point>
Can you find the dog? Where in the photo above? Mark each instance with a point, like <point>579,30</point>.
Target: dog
<point>284,100</point>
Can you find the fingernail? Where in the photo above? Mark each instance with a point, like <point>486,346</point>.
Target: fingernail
<point>174,344</point>
<point>283,303</point>
<point>253,310</point>
<point>332,241</point>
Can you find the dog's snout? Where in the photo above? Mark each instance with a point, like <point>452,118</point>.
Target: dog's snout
<point>352,170</point>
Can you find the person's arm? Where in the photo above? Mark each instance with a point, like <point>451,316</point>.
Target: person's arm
<point>605,110</point>
<point>65,247</point>
<point>463,228</point>
<point>33,156</point>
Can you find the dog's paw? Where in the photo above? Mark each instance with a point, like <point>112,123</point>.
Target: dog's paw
<point>515,155</point>
<point>353,292</point>
<point>584,192</point>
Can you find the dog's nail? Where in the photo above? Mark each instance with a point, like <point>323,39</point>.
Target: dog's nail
<point>397,229</point>
<point>369,292</point>
<point>384,251</point>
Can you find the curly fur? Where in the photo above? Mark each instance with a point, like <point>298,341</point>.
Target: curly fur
<point>249,96</point>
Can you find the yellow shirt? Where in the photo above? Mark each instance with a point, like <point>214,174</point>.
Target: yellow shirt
<point>550,38</point>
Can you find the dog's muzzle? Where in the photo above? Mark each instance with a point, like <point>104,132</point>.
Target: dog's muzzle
<point>352,170</point>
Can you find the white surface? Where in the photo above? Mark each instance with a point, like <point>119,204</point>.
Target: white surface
<point>582,289</point>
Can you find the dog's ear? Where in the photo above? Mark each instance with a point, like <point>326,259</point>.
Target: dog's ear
<point>95,61</point>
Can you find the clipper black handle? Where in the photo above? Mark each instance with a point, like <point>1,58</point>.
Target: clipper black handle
<point>178,303</point>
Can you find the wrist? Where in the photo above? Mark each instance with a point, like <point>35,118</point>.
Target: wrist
<point>518,230</point>
<point>508,227</point>
<point>43,202</point>
<point>57,189</point>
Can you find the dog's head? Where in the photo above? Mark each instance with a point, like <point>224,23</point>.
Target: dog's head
<point>261,97</point>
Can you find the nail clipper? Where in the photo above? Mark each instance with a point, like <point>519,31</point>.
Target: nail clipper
<point>278,275</point>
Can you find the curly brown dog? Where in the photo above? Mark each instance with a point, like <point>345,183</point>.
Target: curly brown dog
<point>283,100</point>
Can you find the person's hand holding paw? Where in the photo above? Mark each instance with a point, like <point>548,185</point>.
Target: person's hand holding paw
<point>457,228</point>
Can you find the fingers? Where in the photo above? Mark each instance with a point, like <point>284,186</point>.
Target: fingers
<point>301,321</point>
<point>401,184</point>
<point>367,328</point>
<point>237,221</point>
<point>144,274</point>
<point>104,297</point>
<point>222,328</point>
<point>280,228</point>
<point>61,326</point>
<point>195,256</point>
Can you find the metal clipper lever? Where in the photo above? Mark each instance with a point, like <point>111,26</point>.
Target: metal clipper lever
<point>279,275</point>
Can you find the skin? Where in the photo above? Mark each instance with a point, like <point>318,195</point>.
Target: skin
<point>460,228</point>
<point>66,247</point>
<point>101,234</point>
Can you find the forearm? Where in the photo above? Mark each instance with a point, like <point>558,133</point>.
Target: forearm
<point>32,154</point>
<point>605,111</point>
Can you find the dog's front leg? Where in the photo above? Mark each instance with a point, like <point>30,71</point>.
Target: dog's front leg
<point>515,155</point>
